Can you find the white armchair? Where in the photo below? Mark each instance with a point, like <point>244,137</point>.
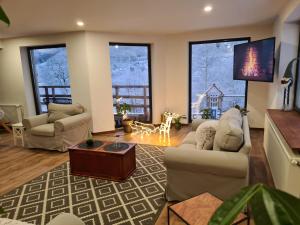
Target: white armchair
<point>69,125</point>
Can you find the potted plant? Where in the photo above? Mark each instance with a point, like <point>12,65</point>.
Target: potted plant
<point>125,108</point>
<point>268,206</point>
<point>206,113</point>
<point>122,111</point>
<point>90,141</point>
<point>243,111</point>
<point>177,122</point>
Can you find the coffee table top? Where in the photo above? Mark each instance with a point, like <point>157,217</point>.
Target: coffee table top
<point>198,210</point>
<point>102,147</point>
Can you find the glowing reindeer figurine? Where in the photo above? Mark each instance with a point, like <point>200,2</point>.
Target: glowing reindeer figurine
<point>166,126</point>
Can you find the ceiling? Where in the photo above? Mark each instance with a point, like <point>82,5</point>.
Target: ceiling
<point>30,17</point>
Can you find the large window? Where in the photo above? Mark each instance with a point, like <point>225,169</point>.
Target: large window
<point>211,78</point>
<point>131,78</point>
<point>50,76</point>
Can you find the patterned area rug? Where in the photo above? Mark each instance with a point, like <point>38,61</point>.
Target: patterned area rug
<point>138,200</point>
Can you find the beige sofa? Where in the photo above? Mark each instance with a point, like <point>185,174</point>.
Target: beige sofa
<point>61,127</point>
<point>223,173</point>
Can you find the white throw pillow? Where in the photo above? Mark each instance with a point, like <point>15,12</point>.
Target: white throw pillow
<point>205,135</point>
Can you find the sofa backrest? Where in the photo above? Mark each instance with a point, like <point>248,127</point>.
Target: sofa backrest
<point>247,140</point>
<point>69,109</point>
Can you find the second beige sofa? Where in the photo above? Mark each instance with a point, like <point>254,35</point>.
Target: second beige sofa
<point>223,173</point>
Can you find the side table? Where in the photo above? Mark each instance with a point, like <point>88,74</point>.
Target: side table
<point>198,210</point>
<point>18,131</point>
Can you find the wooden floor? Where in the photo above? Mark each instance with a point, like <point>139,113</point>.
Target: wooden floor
<point>19,165</point>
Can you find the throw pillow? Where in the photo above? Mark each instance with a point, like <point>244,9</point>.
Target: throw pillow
<point>205,135</point>
<point>69,109</point>
<point>229,135</point>
<point>56,115</point>
<point>60,111</point>
<point>232,113</point>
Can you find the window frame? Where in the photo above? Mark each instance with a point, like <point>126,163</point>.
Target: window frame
<point>191,43</point>
<point>148,45</point>
<point>32,76</point>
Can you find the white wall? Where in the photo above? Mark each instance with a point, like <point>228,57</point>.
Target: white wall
<point>14,74</point>
<point>100,75</point>
<point>89,67</point>
<point>90,76</point>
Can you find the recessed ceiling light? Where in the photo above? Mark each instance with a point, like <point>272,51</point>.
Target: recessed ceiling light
<point>80,23</point>
<point>208,8</point>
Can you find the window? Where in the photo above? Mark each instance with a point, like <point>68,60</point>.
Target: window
<point>50,76</point>
<point>211,78</point>
<point>131,78</point>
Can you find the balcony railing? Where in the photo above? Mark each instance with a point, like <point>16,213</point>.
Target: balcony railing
<point>229,100</point>
<point>137,97</point>
<point>54,94</point>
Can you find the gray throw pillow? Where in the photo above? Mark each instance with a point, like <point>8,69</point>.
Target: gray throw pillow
<point>229,135</point>
<point>205,135</point>
<point>56,115</point>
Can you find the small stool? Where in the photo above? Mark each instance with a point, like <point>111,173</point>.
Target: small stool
<point>198,210</point>
<point>18,131</point>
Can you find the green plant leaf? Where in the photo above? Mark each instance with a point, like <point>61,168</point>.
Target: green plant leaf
<point>269,206</point>
<point>287,207</point>
<point>259,210</point>
<point>1,210</point>
<point>3,16</point>
<point>230,209</point>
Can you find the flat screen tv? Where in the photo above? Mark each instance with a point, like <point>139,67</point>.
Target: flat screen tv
<point>254,61</point>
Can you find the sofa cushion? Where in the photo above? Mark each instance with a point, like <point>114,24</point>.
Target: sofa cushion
<point>43,130</point>
<point>232,113</point>
<point>205,135</point>
<point>56,115</point>
<point>190,138</point>
<point>60,111</point>
<point>229,135</point>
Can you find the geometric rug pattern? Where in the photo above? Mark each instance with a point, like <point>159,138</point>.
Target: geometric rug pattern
<point>138,200</point>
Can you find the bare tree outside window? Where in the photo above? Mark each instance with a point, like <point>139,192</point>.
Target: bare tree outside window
<point>211,70</point>
<point>50,75</point>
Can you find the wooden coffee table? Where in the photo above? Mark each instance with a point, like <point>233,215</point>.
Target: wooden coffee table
<point>198,210</point>
<point>101,163</point>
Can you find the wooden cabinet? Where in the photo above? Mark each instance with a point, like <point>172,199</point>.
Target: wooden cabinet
<point>281,146</point>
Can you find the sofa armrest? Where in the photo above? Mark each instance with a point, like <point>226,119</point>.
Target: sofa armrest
<point>72,122</point>
<point>66,219</point>
<point>197,122</point>
<point>233,164</point>
<point>35,121</point>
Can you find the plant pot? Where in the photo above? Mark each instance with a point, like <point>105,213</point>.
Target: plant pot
<point>177,126</point>
<point>89,142</point>
<point>126,125</point>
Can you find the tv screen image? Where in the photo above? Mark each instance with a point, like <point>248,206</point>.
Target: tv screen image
<point>254,61</point>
